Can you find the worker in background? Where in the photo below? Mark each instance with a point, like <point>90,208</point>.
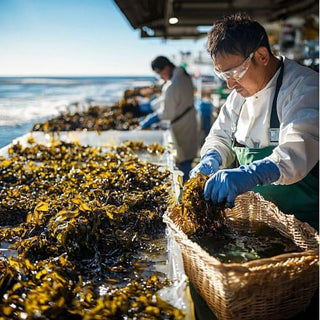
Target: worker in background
<point>175,104</point>
<point>268,129</point>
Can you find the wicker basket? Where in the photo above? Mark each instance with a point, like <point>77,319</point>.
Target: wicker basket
<point>270,288</point>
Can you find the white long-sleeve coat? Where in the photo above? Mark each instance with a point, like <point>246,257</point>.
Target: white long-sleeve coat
<point>298,113</point>
<point>176,96</point>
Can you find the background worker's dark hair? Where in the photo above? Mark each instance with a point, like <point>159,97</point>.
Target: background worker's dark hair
<point>236,34</point>
<point>160,62</point>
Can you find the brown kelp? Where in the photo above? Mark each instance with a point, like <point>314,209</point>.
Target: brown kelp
<point>122,116</point>
<point>193,214</point>
<point>81,222</point>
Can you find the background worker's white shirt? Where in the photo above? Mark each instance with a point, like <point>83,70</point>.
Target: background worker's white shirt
<point>176,96</point>
<point>298,112</point>
<point>157,102</point>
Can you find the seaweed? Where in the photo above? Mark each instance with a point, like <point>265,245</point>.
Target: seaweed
<point>122,116</point>
<point>80,220</point>
<point>194,214</point>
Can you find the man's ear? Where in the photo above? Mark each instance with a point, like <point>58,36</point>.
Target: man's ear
<point>262,56</point>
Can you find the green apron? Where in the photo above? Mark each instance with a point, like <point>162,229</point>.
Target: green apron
<point>300,198</point>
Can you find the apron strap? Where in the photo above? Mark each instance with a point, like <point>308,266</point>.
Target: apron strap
<point>274,120</point>
<point>181,115</point>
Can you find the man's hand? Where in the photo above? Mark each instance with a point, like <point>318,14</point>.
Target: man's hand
<point>226,185</point>
<point>209,164</point>
<point>149,120</point>
<point>145,107</point>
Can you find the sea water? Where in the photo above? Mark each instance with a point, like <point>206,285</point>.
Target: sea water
<point>25,101</point>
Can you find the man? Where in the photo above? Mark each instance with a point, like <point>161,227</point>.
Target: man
<point>176,105</point>
<point>269,123</point>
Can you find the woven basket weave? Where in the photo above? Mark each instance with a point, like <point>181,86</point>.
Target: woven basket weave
<point>269,288</point>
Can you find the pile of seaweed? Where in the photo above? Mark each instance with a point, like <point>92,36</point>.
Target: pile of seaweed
<point>123,116</point>
<point>64,151</point>
<point>81,222</point>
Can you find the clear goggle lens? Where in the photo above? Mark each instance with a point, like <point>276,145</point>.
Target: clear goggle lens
<point>236,73</point>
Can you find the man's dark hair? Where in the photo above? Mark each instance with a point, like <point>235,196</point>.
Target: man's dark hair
<point>161,62</point>
<point>236,34</point>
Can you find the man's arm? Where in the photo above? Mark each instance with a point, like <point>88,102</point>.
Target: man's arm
<point>298,149</point>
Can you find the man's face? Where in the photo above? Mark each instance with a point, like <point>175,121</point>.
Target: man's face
<point>240,73</point>
<point>165,73</point>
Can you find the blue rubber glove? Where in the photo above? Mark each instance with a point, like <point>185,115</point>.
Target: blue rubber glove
<point>145,107</point>
<point>149,120</point>
<point>226,185</point>
<point>209,164</point>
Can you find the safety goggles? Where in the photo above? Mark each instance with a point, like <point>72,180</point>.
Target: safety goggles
<point>236,73</point>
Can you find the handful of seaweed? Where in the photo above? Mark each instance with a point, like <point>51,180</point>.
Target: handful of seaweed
<point>195,215</point>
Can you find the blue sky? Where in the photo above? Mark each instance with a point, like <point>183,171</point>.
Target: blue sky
<point>77,37</point>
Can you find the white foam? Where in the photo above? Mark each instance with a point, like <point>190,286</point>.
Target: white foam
<point>24,100</point>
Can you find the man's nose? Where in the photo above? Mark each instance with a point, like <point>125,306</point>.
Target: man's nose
<point>231,83</point>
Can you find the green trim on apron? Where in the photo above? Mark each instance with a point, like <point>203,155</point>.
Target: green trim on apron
<point>300,198</point>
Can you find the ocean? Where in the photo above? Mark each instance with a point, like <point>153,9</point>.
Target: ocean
<point>25,101</point>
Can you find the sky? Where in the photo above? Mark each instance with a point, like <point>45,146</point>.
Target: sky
<point>77,38</point>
